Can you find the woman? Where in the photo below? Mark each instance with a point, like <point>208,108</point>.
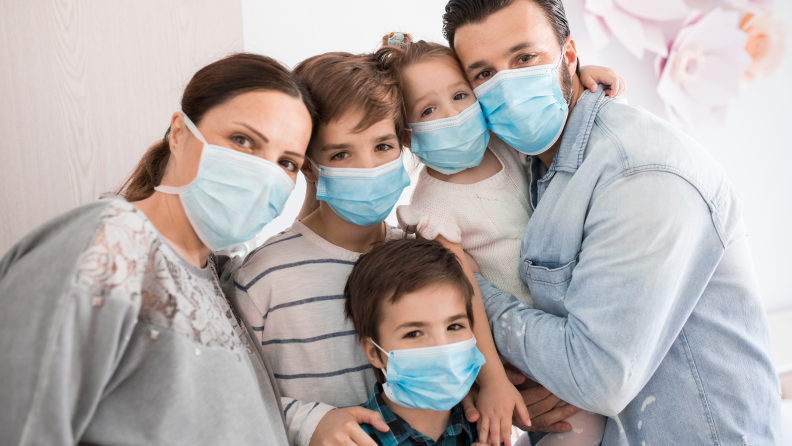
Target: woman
<point>113,325</point>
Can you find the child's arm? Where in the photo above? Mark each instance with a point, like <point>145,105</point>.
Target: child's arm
<point>591,75</point>
<point>497,399</point>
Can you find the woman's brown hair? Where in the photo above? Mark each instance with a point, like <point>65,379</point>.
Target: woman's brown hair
<point>211,86</point>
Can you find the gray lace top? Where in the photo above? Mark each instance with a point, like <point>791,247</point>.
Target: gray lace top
<point>107,336</point>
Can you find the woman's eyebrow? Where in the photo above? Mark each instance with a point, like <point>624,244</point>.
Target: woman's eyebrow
<point>298,155</point>
<point>254,131</point>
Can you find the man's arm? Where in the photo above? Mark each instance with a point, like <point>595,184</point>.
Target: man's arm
<point>648,252</point>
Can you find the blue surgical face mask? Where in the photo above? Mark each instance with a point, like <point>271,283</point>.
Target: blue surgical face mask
<point>364,197</point>
<point>435,378</point>
<point>451,145</point>
<point>525,107</point>
<point>233,196</point>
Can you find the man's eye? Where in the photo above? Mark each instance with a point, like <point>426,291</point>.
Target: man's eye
<point>427,112</point>
<point>524,58</point>
<point>483,75</point>
<point>460,96</point>
<point>383,147</point>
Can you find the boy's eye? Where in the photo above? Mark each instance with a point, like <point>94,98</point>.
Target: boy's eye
<point>412,334</point>
<point>383,147</point>
<point>242,141</point>
<point>455,327</point>
<point>460,96</point>
<point>340,156</point>
<point>427,112</point>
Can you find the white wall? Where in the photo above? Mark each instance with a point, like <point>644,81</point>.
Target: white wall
<point>752,146</point>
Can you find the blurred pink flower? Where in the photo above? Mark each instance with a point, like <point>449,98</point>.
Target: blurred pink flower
<point>766,43</point>
<point>633,22</point>
<point>704,67</point>
<point>750,5</point>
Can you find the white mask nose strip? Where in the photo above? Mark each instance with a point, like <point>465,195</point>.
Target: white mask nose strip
<point>357,172</point>
<point>453,121</point>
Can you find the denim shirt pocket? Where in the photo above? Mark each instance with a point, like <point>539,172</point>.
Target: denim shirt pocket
<point>548,284</point>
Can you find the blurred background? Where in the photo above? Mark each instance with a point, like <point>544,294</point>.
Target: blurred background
<point>87,86</point>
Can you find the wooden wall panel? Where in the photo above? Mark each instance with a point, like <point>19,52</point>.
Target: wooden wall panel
<point>86,86</point>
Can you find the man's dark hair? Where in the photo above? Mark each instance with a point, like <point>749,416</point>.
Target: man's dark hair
<point>459,13</point>
<point>393,269</point>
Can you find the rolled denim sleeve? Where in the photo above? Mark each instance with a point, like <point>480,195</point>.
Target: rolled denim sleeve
<point>649,248</point>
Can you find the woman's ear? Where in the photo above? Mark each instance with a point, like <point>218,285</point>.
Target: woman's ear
<point>307,170</point>
<point>178,134</point>
<point>373,353</point>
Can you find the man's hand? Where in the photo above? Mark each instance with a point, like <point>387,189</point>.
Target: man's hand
<point>341,427</point>
<point>545,416</point>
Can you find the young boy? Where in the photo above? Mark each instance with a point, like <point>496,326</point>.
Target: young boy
<point>410,303</point>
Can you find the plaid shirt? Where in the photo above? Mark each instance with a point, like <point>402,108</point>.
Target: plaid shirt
<point>458,433</point>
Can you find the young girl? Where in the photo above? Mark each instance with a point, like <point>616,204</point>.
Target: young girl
<point>473,193</point>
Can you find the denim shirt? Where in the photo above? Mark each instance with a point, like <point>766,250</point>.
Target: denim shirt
<point>647,308</point>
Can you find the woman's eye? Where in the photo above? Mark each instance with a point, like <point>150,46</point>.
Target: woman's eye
<point>483,75</point>
<point>289,165</point>
<point>383,147</point>
<point>427,112</point>
<point>460,96</point>
<point>455,327</point>
<point>339,156</point>
<point>241,141</point>
<point>412,334</point>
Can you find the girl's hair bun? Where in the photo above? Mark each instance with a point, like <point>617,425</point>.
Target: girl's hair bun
<point>397,39</point>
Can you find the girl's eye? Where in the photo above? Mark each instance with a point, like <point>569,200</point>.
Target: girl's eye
<point>383,148</point>
<point>289,165</point>
<point>427,112</point>
<point>340,156</point>
<point>242,141</point>
<point>412,334</point>
<point>483,75</point>
<point>460,96</point>
<point>524,58</point>
<point>455,327</point>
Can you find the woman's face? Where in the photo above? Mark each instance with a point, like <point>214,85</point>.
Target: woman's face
<point>337,144</point>
<point>267,124</point>
<point>436,89</point>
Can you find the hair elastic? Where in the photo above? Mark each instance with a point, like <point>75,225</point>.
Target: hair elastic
<point>395,39</point>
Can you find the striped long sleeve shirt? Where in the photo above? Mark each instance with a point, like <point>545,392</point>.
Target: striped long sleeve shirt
<point>291,291</point>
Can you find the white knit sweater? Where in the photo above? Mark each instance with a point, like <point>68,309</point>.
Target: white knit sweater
<point>487,217</point>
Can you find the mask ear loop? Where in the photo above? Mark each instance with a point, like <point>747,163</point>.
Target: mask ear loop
<point>193,128</point>
<point>384,372</point>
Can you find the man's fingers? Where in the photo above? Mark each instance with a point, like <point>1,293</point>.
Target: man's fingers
<point>363,415</point>
<point>515,377</point>
<point>555,416</point>
<point>536,400</point>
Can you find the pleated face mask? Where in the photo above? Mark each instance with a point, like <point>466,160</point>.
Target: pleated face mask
<point>434,378</point>
<point>364,197</point>
<point>525,107</point>
<point>451,145</point>
<point>233,196</point>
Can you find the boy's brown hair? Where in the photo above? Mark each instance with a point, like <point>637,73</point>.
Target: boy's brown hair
<point>393,269</point>
<point>341,83</point>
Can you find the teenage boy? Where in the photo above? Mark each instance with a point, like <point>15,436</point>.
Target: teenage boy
<point>410,303</point>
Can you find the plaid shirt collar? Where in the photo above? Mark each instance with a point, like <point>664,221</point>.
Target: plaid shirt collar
<point>459,431</point>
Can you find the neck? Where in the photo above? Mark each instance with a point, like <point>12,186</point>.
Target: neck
<point>167,214</point>
<point>328,225</point>
<point>426,421</point>
<point>577,91</point>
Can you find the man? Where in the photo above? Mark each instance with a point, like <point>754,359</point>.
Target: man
<point>646,307</point>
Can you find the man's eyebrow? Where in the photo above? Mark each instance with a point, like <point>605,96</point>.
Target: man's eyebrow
<point>518,47</point>
<point>298,155</point>
<point>254,131</point>
<point>475,66</point>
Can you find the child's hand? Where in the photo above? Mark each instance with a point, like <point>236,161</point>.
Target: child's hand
<point>591,75</point>
<point>497,402</point>
<point>341,427</point>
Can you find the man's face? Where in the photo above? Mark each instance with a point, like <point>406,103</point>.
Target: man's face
<point>517,36</point>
